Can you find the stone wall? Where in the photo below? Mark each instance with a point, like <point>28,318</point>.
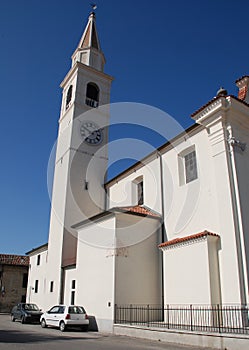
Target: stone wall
<point>13,286</point>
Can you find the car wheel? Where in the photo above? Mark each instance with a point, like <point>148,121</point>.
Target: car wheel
<point>23,320</point>
<point>43,323</point>
<point>13,318</point>
<point>62,326</point>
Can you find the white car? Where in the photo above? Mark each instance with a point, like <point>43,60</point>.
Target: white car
<point>64,316</point>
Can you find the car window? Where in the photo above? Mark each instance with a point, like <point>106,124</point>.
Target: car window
<point>31,307</point>
<point>54,310</point>
<point>61,310</point>
<point>76,310</point>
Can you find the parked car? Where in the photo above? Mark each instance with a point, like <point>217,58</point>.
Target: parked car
<point>26,313</point>
<point>64,316</point>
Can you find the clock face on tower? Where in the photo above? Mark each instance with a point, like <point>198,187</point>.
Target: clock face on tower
<point>91,133</point>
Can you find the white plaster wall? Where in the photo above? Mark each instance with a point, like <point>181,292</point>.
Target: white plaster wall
<point>122,192</point>
<point>241,133</point>
<point>137,271</point>
<point>228,255</point>
<point>192,207</point>
<point>70,202</point>
<point>214,247</point>
<point>203,204</point>
<point>71,274</point>
<point>186,274</point>
<point>38,272</point>
<point>87,75</point>
<point>95,272</point>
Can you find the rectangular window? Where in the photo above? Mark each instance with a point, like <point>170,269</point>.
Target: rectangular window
<point>51,286</point>
<point>73,284</point>
<point>25,280</point>
<point>190,167</point>
<point>36,286</point>
<point>140,193</point>
<point>72,297</point>
<point>38,259</point>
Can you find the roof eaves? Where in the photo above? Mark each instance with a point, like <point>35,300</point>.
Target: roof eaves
<point>92,219</point>
<point>241,78</point>
<point>214,99</point>
<point>134,210</point>
<point>41,247</point>
<point>193,237</point>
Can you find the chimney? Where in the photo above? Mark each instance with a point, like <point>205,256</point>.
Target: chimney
<point>243,84</point>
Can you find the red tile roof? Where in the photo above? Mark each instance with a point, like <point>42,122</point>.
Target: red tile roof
<point>9,259</point>
<point>138,209</point>
<point>242,93</point>
<point>187,238</point>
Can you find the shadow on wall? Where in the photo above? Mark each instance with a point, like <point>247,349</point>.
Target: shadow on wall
<point>93,324</point>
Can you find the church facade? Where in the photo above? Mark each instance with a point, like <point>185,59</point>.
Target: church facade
<point>171,229</point>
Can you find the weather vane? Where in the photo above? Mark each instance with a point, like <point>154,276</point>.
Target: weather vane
<point>94,6</point>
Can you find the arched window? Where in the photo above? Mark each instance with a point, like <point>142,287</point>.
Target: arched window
<point>69,95</point>
<point>92,95</point>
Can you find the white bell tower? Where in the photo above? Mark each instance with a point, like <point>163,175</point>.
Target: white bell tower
<point>81,155</point>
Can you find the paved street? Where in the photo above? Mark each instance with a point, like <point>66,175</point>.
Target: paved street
<point>14,335</point>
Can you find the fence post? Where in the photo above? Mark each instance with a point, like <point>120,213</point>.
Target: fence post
<point>218,317</point>
<point>168,315</point>
<point>115,313</point>
<point>191,317</point>
<point>148,315</point>
<point>131,314</point>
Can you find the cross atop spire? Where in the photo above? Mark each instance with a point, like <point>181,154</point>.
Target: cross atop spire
<point>89,50</point>
<point>94,6</point>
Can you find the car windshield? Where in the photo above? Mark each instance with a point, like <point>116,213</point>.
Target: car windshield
<point>76,310</point>
<point>31,307</point>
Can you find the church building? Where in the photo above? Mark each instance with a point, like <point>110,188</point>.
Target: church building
<point>171,229</point>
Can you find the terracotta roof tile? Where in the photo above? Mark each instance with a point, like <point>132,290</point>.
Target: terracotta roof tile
<point>9,259</point>
<point>187,238</point>
<point>138,209</point>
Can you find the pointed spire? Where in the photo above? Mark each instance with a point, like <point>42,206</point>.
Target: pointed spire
<point>89,50</point>
<point>90,36</point>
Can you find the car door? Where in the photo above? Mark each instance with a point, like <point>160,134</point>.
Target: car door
<point>52,316</point>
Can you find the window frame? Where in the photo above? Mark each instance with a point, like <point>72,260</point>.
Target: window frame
<point>38,261</point>
<point>182,166</point>
<point>36,286</point>
<point>69,96</point>
<point>92,97</point>
<point>140,192</point>
<point>190,175</point>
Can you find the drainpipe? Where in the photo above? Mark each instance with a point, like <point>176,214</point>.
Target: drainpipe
<point>62,286</point>
<point>232,143</point>
<point>163,226</point>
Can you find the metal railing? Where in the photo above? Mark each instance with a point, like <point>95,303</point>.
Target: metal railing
<point>221,319</point>
<point>92,103</point>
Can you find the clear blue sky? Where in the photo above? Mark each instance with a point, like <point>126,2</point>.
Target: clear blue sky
<point>173,55</point>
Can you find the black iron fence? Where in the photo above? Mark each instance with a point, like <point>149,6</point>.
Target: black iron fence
<point>222,319</point>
